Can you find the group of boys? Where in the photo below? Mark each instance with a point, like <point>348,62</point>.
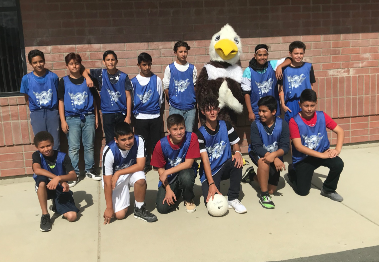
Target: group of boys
<point>129,154</point>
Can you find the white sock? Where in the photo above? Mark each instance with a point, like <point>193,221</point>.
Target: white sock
<point>139,204</point>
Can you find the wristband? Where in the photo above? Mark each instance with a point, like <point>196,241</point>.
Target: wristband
<point>238,152</point>
<point>211,183</point>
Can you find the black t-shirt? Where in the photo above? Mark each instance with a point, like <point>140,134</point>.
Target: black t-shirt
<point>312,77</point>
<point>98,75</point>
<point>76,81</point>
<point>51,161</point>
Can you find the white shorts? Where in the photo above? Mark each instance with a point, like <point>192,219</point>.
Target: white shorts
<point>120,195</point>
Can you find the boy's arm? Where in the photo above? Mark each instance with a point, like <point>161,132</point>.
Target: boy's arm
<point>237,155</point>
<point>26,99</point>
<point>108,213</point>
<point>249,108</point>
<point>208,173</point>
<point>279,71</point>
<point>38,170</point>
<point>128,107</point>
<point>281,97</point>
<point>340,137</point>
<point>166,93</point>
<point>85,73</point>
<point>307,151</point>
<point>185,165</point>
<point>139,166</point>
<point>96,113</point>
<point>64,125</point>
<point>166,81</point>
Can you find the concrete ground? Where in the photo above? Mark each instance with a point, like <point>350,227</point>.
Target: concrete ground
<point>311,228</point>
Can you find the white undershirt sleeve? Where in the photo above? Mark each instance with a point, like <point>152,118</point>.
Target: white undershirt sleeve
<point>141,148</point>
<point>166,77</point>
<point>159,89</point>
<point>194,75</point>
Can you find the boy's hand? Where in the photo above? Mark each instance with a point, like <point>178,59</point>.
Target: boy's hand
<point>127,120</point>
<point>170,195</point>
<point>53,183</point>
<point>89,82</point>
<point>279,73</point>
<point>64,127</point>
<point>115,177</point>
<point>65,186</point>
<point>325,155</point>
<point>333,153</point>
<point>286,108</point>
<point>212,191</point>
<point>96,123</point>
<point>251,116</point>
<point>279,165</point>
<point>269,158</point>
<point>238,158</point>
<point>108,214</point>
<point>163,176</point>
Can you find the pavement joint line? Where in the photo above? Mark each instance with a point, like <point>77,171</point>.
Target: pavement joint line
<point>98,223</point>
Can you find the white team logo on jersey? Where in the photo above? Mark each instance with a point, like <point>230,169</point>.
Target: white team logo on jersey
<point>114,96</point>
<point>265,86</point>
<point>181,85</point>
<point>145,97</point>
<point>78,99</point>
<point>313,141</point>
<point>44,97</point>
<point>215,151</point>
<point>130,163</point>
<point>271,148</point>
<point>295,81</point>
<point>175,162</point>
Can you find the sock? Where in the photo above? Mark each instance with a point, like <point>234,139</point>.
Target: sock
<point>139,204</point>
<point>265,193</point>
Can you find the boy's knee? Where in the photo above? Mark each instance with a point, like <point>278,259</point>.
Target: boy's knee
<point>262,164</point>
<point>302,192</point>
<point>71,216</point>
<point>163,208</point>
<point>339,164</point>
<point>141,183</point>
<point>121,214</point>
<point>187,177</point>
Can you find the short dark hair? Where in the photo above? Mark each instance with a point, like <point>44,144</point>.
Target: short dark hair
<point>181,43</point>
<point>144,57</point>
<point>297,44</point>
<point>109,52</point>
<point>73,56</point>
<point>268,101</point>
<point>308,95</point>
<point>175,119</point>
<point>43,136</point>
<point>34,53</point>
<point>208,102</point>
<point>122,129</point>
<point>260,46</point>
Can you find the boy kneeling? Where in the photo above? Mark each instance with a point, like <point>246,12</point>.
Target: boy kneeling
<point>217,162</point>
<point>269,142</point>
<point>123,164</point>
<point>52,169</point>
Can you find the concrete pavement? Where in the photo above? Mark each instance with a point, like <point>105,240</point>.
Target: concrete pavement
<point>298,228</point>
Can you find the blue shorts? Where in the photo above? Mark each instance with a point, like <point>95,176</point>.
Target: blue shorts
<point>64,202</point>
<point>273,174</point>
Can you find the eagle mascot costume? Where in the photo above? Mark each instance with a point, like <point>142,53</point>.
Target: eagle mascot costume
<point>222,76</point>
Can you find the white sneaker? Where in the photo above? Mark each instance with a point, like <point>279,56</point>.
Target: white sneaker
<point>237,206</point>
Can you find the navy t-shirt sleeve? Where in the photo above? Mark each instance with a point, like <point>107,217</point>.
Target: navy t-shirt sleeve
<point>36,157</point>
<point>312,76</point>
<point>61,89</point>
<point>284,142</point>
<point>232,134</point>
<point>201,140</point>
<point>67,164</point>
<point>128,84</point>
<point>256,141</point>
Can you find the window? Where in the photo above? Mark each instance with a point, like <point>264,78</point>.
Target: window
<point>12,49</point>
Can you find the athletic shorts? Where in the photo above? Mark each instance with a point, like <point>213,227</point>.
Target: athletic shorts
<point>273,178</point>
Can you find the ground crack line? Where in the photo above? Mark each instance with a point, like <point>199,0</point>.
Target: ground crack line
<point>98,224</point>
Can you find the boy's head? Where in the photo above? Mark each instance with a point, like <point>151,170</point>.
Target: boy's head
<point>73,62</point>
<point>144,64</point>
<point>209,108</point>
<point>124,136</point>
<point>110,59</point>
<point>36,59</point>
<point>261,54</point>
<point>44,142</point>
<point>308,102</point>
<point>267,108</point>
<point>181,49</point>
<point>297,50</point>
<point>176,127</point>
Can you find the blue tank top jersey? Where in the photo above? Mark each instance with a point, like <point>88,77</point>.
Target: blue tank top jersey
<point>315,138</point>
<point>295,80</point>
<point>146,98</point>
<point>263,85</point>
<point>271,141</point>
<point>42,95</point>
<point>181,89</point>
<point>175,157</point>
<point>78,99</point>
<point>218,149</point>
<point>57,170</point>
<point>113,97</point>
<point>121,162</point>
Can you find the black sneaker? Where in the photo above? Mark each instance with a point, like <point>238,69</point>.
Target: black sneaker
<point>249,175</point>
<point>147,168</point>
<point>45,224</point>
<point>266,202</point>
<point>93,175</point>
<point>53,207</point>
<point>143,214</point>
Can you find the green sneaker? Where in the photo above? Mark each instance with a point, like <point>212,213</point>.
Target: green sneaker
<point>249,175</point>
<point>266,202</point>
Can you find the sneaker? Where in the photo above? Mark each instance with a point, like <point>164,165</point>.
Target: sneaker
<point>190,206</point>
<point>143,214</point>
<point>237,206</point>
<point>93,175</point>
<point>45,224</point>
<point>266,202</point>
<point>333,195</point>
<point>147,168</point>
<point>249,175</point>
<point>73,183</point>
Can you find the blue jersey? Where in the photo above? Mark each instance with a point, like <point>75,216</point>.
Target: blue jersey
<point>78,99</point>
<point>42,94</point>
<point>263,85</point>
<point>58,169</point>
<point>113,97</point>
<point>146,98</point>
<point>315,138</point>
<point>271,141</point>
<point>181,89</point>
<point>119,161</point>
<point>218,149</point>
<point>295,80</point>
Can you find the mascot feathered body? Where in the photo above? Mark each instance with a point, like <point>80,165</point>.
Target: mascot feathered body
<point>222,76</point>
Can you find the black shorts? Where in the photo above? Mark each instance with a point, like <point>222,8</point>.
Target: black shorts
<point>64,202</point>
<point>273,178</point>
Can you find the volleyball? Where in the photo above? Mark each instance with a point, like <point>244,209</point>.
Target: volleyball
<point>218,206</point>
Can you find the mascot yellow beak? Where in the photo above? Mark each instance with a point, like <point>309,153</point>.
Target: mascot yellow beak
<point>226,49</point>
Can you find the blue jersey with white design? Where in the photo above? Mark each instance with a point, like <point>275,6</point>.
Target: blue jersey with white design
<point>113,97</point>
<point>263,85</point>
<point>218,149</point>
<point>270,141</point>
<point>295,80</point>
<point>119,161</point>
<point>181,89</point>
<point>42,95</point>
<point>146,98</point>
<point>78,99</point>
<point>313,137</point>
<point>58,169</point>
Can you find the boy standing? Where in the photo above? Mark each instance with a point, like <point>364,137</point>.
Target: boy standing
<point>297,77</point>
<point>52,169</point>
<point>148,98</point>
<point>79,115</point>
<point>179,84</point>
<point>217,162</point>
<point>174,157</point>
<point>123,163</point>
<point>115,94</point>
<point>310,148</point>
<point>269,143</point>
<point>40,88</point>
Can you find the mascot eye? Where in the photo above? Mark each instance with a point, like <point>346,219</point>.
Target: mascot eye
<point>236,40</point>
<point>217,38</point>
